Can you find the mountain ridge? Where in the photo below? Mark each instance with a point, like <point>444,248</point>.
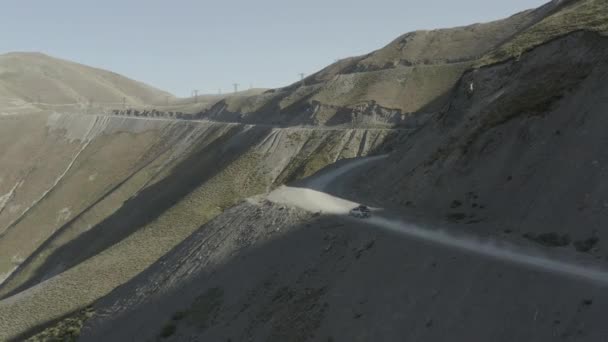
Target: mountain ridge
<point>35,81</point>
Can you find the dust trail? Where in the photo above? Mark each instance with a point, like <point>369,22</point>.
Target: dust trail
<point>316,201</point>
<point>313,200</point>
<point>493,249</point>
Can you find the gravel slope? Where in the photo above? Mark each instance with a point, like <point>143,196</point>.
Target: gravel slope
<point>263,271</point>
<point>166,178</point>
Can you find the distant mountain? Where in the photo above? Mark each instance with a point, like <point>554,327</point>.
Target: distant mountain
<point>29,81</point>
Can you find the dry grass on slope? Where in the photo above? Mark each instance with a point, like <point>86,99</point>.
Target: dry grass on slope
<point>264,161</point>
<point>447,45</point>
<point>591,15</point>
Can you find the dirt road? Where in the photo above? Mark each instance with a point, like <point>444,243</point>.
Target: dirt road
<point>310,196</point>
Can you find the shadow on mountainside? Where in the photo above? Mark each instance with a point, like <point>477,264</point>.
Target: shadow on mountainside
<point>330,279</point>
<point>521,155</point>
<point>150,203</point>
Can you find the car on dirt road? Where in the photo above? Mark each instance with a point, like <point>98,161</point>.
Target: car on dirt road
<point>361,211</point>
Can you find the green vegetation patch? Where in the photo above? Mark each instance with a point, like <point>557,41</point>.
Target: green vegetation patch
<point>168,330</point>
<point>549,239</point>
<point>205,307</point>
<point>67,329</point>
<point>201,314</point>
<point>587,244</point>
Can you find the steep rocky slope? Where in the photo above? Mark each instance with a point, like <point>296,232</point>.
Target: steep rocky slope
<point>263,271</point>
<point>523,154</point>
<point>506,139</point>
<point>515,154</point>
<point>123,191</point>
<point>516,160</point>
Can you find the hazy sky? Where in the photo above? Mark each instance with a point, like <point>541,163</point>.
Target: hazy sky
<point>180,45</point>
